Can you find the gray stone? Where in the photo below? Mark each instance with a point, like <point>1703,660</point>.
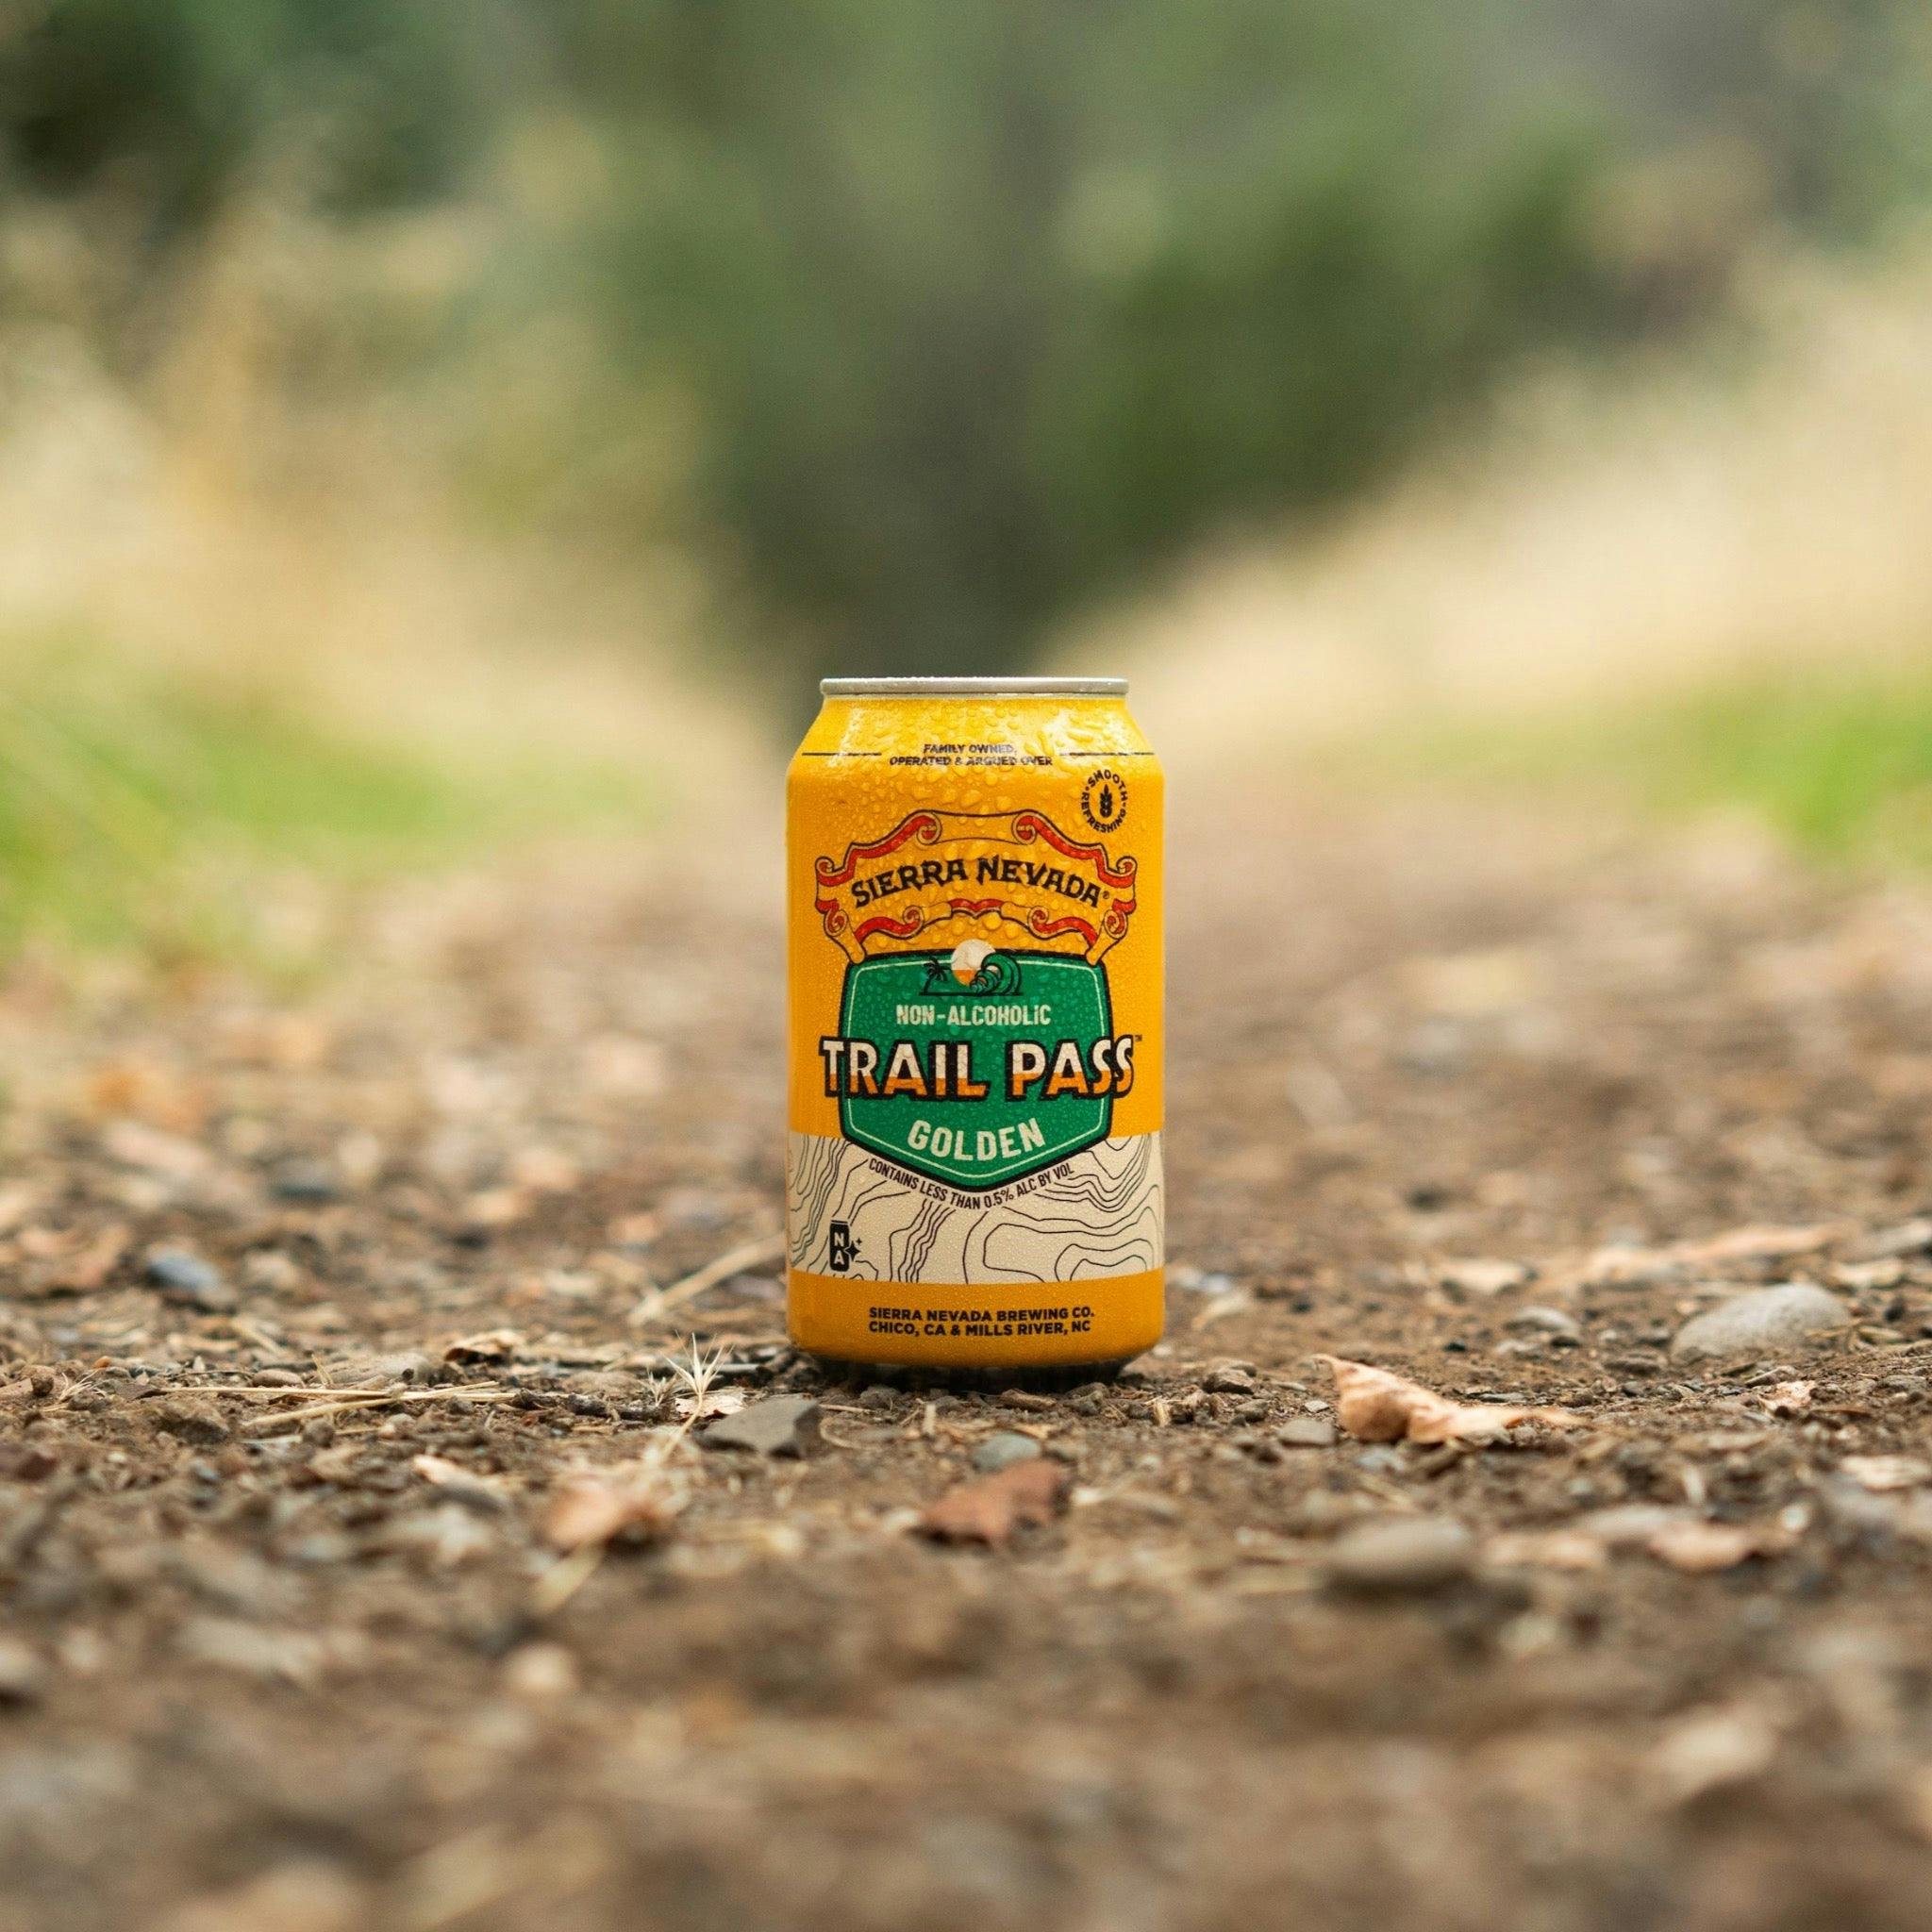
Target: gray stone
<point>184,1277</point>
<point>1305,1432</point>
<point>1003,1450</point>
<point>304,1181</point>
<point>188,1420</point>
<point>1230,1378</point>
<point>1398,1554</point>
<point>780,1425</point>
<point>1766,1320</point>
<point>1546,1321</point>
<point>1628,1526</point>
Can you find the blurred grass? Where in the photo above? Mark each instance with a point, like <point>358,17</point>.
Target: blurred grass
<point>149,808</point>
<point>1837,762</point>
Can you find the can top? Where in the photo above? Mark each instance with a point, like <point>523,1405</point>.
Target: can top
<point>973,687</point>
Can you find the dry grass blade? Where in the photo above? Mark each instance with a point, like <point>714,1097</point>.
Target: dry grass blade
<point>752,1254</point>
<point>384,1399</point>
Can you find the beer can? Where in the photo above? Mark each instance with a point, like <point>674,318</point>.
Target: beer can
<point>974,1162</point>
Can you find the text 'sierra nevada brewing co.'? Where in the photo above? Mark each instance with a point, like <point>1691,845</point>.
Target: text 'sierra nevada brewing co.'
<point>973,1173</point>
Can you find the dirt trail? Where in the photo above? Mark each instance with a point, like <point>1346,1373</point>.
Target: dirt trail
<point>271,1661</point>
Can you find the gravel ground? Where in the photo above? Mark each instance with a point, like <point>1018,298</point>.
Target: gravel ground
<point>367,1559</point>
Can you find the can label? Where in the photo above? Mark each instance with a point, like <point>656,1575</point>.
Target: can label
<point>974,1081</point>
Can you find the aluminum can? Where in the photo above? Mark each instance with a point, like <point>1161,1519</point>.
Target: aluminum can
<point>974,1162</point>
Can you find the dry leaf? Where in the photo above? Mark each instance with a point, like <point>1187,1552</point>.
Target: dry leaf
<point>1378,1405</point>
<point>589,1508</point>
<point>714,1402</point>
<point>491,1346</point>
<point>990,1507</point>
<point>93,1264</point>
<point>1886,1472</point>
<point>1700,1547</point>
<point>443,1474</point>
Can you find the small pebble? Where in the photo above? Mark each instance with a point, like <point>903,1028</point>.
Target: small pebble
<point>1485,1276</point>
<point>186,1279</point>
<point>1766,1320</point>
<point>304,1181</point>
<point>1402,1553</point>
<point>188,1420</point>
<point>780,1425</point>
<point>1003,1450</point>
<point>1546,1321</point>
<point>1305,1432</point>
<point>540,1671</point>
<point>1230,1378</point>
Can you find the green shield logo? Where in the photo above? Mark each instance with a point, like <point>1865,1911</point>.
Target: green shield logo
<point>952,1114</point>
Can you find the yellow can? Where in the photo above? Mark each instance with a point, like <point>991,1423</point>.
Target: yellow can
<point>974,1165</point>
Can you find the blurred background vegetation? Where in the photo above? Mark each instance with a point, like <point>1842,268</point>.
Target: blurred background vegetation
<point>769,337</point>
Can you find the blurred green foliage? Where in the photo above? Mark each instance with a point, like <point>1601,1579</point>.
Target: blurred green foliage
<point>984,308</point>
<point>1839,763</point>
<point>178,104</point>
<point>139,805</point>
<point>955,319</point>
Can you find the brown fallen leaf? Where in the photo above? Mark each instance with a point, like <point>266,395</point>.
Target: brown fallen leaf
<point>714,1402</point>
<point>1379,1405</point>
<point>91,1267</point>
<point>1700,1547</point>
<point>464,1485</point>
<point>594,1508</point>
<point>990,1507</point>
<point>491,1346</point>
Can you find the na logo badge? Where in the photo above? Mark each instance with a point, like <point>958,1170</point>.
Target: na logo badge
<point>840,1247</point>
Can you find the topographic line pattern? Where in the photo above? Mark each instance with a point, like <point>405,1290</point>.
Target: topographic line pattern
<point>1095,1215</point>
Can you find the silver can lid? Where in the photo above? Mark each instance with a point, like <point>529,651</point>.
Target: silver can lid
<point>973,687</point>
